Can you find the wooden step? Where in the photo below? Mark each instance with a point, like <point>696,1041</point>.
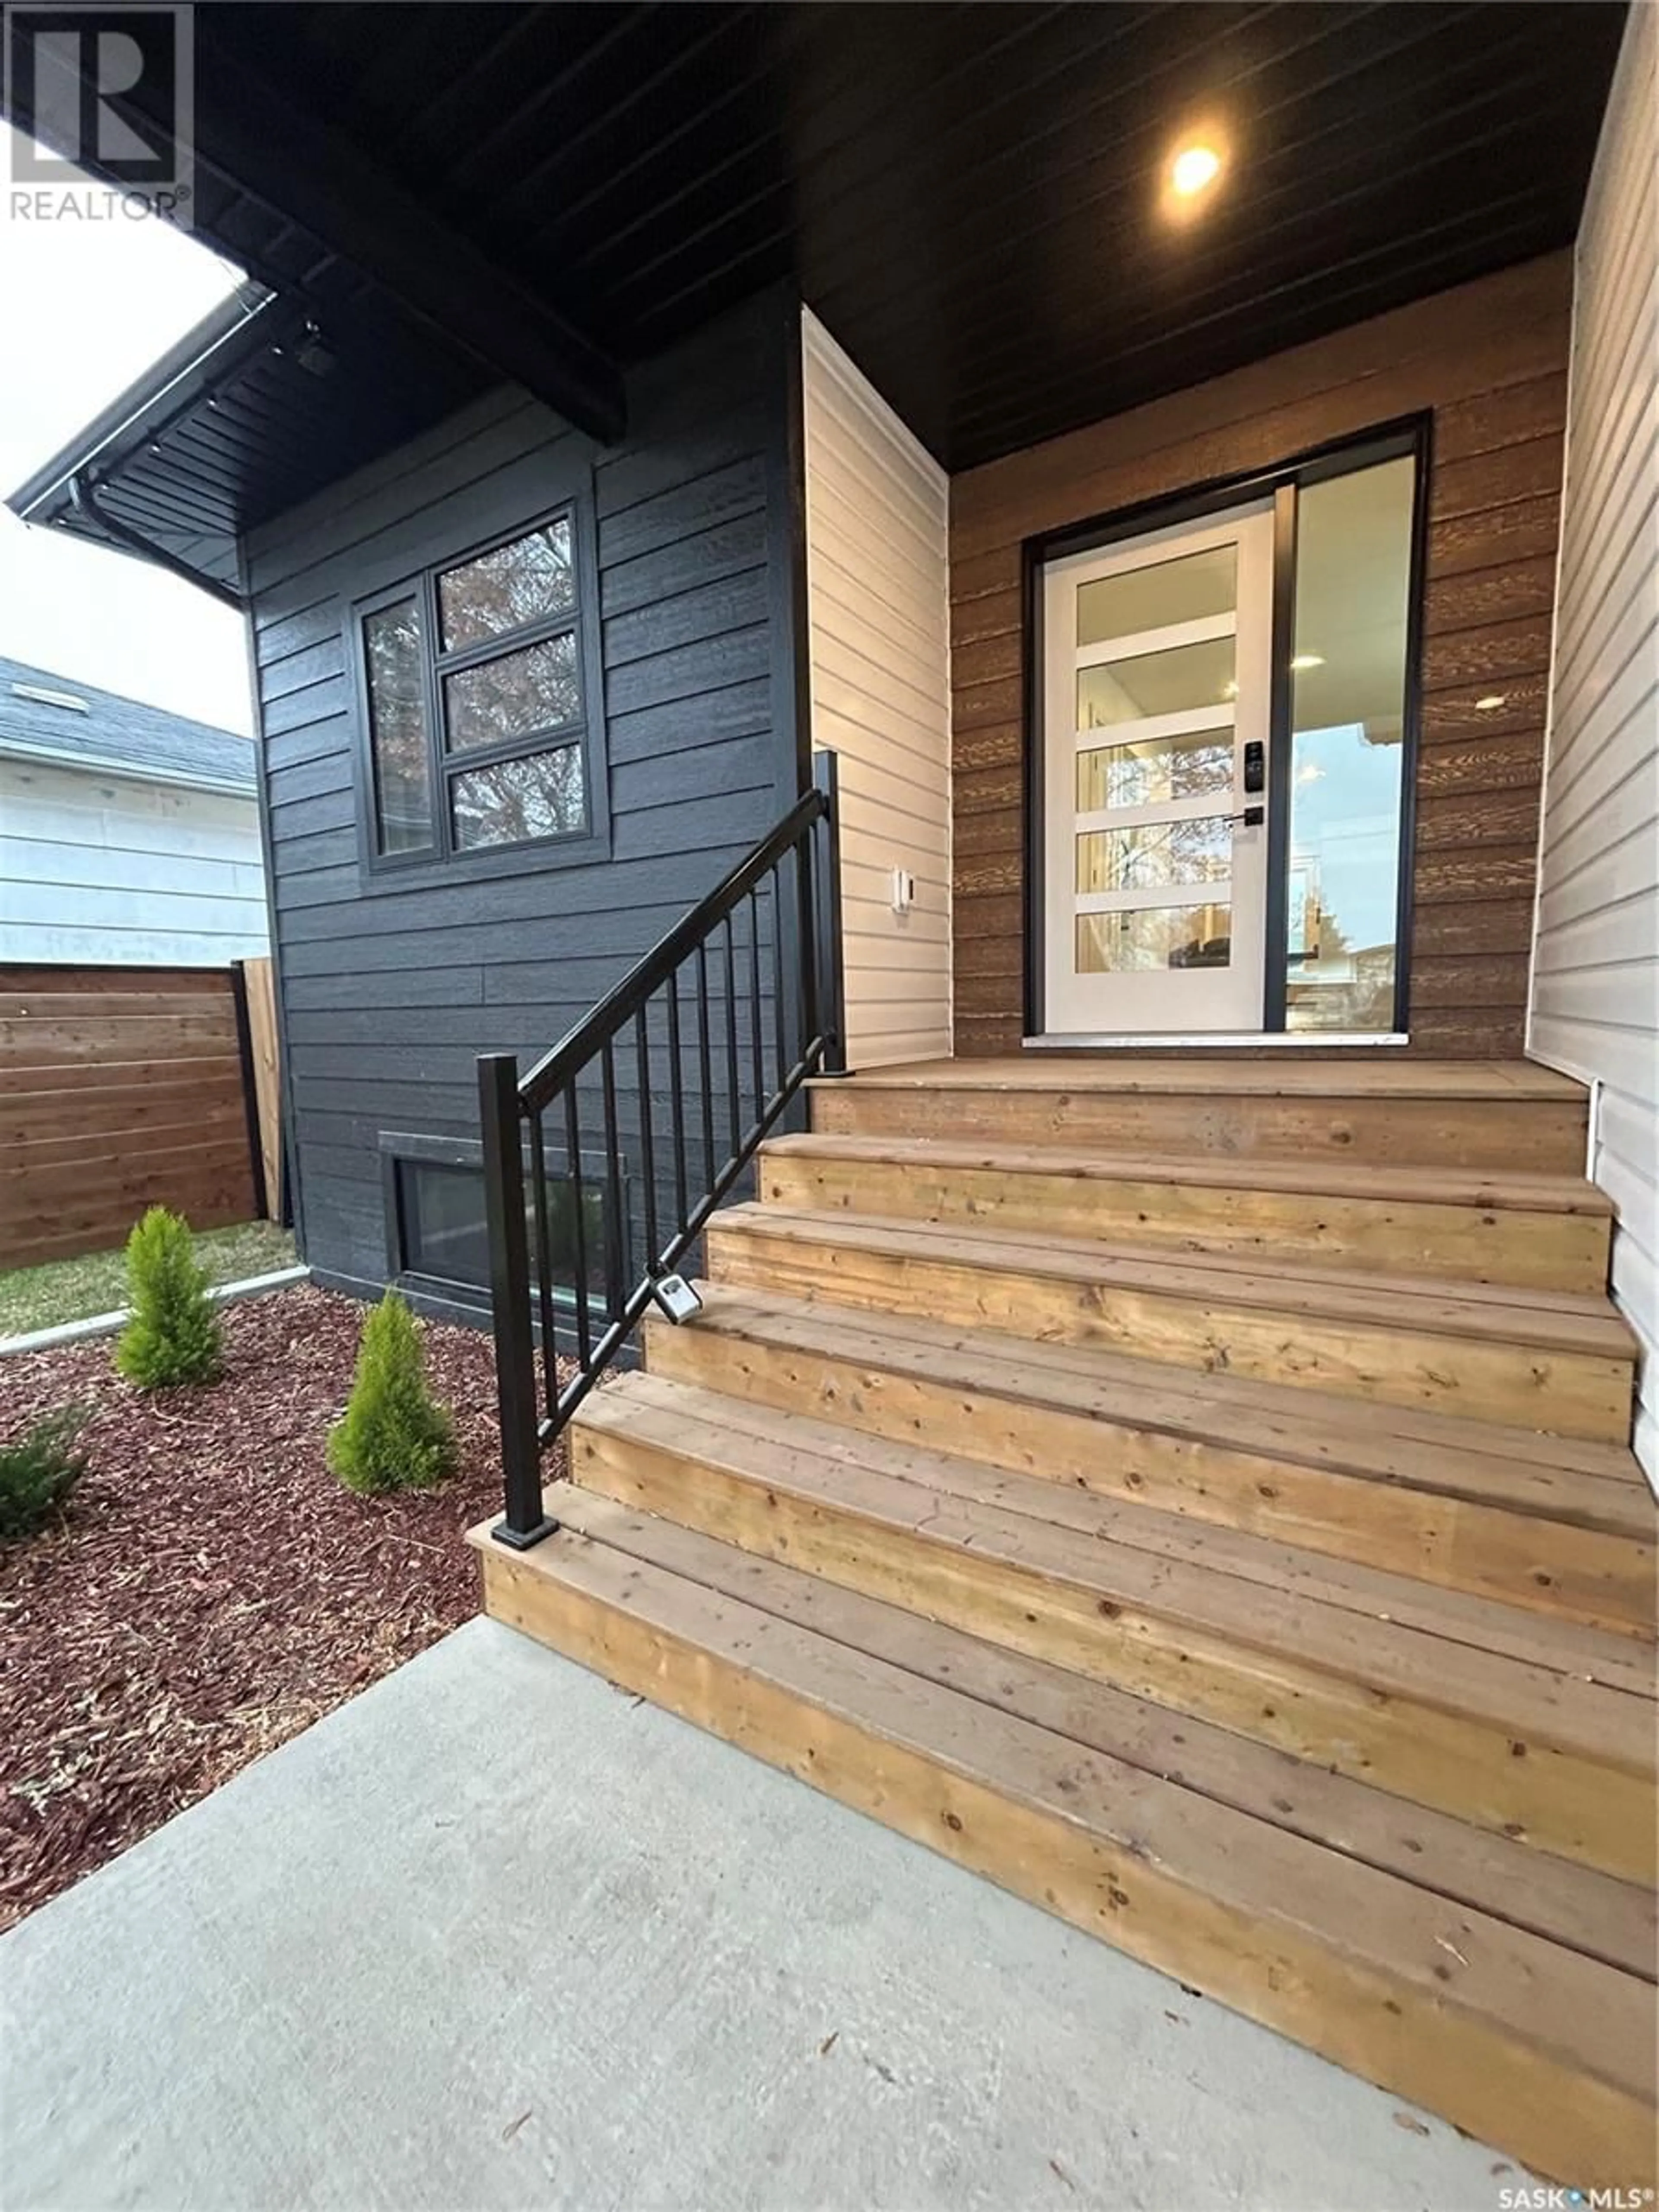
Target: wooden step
<point>1542,1232</point>
<point>1540,1359</point>
<point>1285,1649</point>
<point>1011,1770</point>
<point>1500,1118</point>
<point>1564,1528</point>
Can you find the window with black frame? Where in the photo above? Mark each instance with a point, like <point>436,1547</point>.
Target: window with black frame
<point>437,1235</point>
<point>475,702</point>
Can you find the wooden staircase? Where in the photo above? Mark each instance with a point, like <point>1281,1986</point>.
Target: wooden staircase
<point>1197,1496</point>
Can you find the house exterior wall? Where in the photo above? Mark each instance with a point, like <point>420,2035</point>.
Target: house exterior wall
<point>1489,359</point>
<point>102,870</point>
<point>388,994</point>
<point>876,554</point>
<point>1594,1008</point>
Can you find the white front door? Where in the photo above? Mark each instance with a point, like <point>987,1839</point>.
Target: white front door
<point>1157,657</point>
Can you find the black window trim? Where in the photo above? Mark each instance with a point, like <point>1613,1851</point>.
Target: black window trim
<point>442,862</point>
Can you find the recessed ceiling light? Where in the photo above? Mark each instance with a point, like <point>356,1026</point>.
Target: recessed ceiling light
<point>1304,661</point>
<point>1491,702</point>
<point>1193,170</point>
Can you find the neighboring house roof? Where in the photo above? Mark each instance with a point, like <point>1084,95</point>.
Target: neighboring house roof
<point>44,717</point>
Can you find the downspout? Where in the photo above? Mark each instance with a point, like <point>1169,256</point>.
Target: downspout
<point>83,500</point>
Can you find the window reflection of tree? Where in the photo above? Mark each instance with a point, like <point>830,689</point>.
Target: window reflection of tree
<point>510,696</point>
<point>512,585</point>
<point>520,694</point>
<point>397,725</point>
<point>538,795</point>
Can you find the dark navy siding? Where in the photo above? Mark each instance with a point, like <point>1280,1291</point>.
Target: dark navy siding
<point>389,995</point>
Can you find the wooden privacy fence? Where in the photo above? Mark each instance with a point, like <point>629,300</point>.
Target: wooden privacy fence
<point>126,1087</point>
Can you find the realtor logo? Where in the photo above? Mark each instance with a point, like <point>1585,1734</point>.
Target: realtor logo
<point>104,91</point>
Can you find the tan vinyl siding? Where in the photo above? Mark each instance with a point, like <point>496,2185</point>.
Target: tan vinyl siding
<point>1595,1009</point>
<point>877,518</point>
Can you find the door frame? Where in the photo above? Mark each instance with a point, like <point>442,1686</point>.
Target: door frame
<point>1406,436</point>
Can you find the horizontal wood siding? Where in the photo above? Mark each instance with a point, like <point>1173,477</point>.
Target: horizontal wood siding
<point>120,1088</point>
<point>1489,359</point>
<point>97,868</point>
<point>387,995</point>
<point>876,523</point>
<point>1595,959</point>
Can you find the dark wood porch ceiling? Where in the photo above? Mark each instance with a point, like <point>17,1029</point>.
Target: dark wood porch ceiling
<point>966,194</point>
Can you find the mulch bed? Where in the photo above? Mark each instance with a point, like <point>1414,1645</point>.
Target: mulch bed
<point>214,1589</point>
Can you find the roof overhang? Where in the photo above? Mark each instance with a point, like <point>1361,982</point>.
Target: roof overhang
<point>967,194</point>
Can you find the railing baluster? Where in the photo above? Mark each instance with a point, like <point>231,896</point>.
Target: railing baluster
<point>779,1024</point>
<point>704,1056</point>
<point>544,1265</point>
<point>733,1103</point>
<point>578,1225</point>
<point>756,1048</point>
<point>676,1098</point>
<point>648,1146</point>
<point>613,1220</point>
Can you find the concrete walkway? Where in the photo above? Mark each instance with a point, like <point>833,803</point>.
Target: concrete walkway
<point>493,1934</point>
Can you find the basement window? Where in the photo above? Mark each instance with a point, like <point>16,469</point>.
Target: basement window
<point>437,1227</point>
<point>478,692</point>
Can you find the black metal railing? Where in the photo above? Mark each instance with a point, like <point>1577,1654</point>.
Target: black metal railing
<point>603,1164</point>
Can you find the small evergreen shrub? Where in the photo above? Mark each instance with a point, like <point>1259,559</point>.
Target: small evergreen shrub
<point>173,1334</point>
<point>393,1434</point>
<point>38,1473</point>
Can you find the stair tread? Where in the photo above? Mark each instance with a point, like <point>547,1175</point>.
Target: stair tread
<point>1581,1479</point>
<point>1157,1564</point>
<point>1211,1074</point>
<point>1313,1176</point>
<point>1575,1905</point>
<point>1546,1320</point>
<point>1484,1621</point>
<point>1263,1917</point>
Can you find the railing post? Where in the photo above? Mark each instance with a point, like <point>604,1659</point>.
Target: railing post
<point>830,988</point>
<point>524,1523</point>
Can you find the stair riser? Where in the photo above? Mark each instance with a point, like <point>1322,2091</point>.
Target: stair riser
<point>1561,1799</point>
<point>1572,1573</point>
<point>1517,2095</point>
<point>1549,1251</point>
<point>1530,1136</point>
<point>1569,1394</point>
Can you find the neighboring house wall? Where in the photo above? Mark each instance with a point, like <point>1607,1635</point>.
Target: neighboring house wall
<point>1489,359</point>
<point>877,556</point>
<point>388,994</point>
<point>1595,973</point>
<point>106,869</point>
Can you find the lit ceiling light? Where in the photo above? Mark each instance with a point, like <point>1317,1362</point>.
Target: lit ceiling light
<point>1193,170</point>
<point>1491,702</point>
<point>1306,660</point>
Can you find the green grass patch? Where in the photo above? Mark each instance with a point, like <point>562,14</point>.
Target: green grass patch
<point>71,1290</point>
